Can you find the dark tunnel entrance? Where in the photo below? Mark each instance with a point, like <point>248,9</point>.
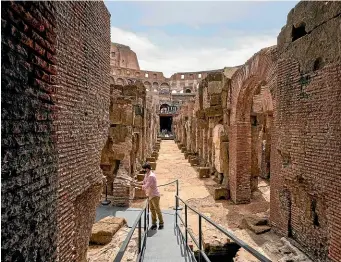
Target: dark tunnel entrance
<point>166,124</point>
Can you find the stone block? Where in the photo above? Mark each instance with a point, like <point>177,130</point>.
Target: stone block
<point>215,100</point>
<point>119,133</point>
<point>194,161</point>
<point>215,87</point>
<point>153,165</point>
<point>155,155</point>
<point>215,241</point>
<point>187,155</point>
<point>150,159</point>
<point>200,114</point>
<point>190,157</point>
<point>221,193</point>
<point>103,231</point>
<point>204,172</point>
<point>214,111</point>
<point>256,224</point>
<point>139,193</point>
<point>140,176</point>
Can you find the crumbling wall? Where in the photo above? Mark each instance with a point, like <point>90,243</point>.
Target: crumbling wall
<point>82,97</point>
<point>29,166</point>
<point>131,139</point>
<point>116,160</point>
<point>306,161</point>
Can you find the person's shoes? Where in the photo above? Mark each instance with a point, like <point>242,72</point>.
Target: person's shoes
<point>161,226</point>
<point>153,227</point>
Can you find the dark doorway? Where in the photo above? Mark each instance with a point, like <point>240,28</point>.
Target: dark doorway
<point>166,123</point>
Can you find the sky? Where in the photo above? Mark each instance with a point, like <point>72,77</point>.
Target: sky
<point>195,36</point>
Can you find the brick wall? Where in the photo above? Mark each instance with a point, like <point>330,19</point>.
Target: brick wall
<point>306,161</point>
<point>29,156</point>
<point>82,97</point>
<point>257,71</point>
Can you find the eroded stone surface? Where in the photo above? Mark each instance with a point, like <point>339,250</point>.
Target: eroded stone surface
<point>108,252</point>
<point>103,231</point>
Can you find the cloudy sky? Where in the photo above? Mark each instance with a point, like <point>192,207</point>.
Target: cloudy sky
<point>192,36</point>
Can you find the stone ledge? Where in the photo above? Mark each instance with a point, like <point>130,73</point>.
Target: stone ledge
<point>103,231</point>
<point>150,159</point>
<point>204,172</point>
<point>221,193</point>
<point>256,224</point>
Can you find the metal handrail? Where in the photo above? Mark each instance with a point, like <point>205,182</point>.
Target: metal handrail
<point>142,240</point>
<point>202,253</point>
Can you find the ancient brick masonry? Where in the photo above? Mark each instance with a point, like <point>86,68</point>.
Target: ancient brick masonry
<point>29,156</point>
<point>83,100</point>
<point>281,120</point>
<point>55,119</point>
<point>306,160</point>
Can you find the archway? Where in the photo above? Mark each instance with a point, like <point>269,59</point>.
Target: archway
<point>188,90</point>
<point>120,81</point>
<point>164,85</point>
<point>147,85</point>
<point>164,108</point>
<point>166,120</point>
<point>156,85</point>
<point>246,124</point>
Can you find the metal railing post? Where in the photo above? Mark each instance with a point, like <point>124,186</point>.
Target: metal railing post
<point>176,212</point>
<point>106,201</point>
<point>200,238</point>
<point>139,235</point>
<point>177,194</point>
<point>145,220</point>
<point>147,212</point>
<point>186,224</point>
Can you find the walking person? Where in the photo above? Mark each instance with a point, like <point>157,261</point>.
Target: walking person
<point>149,185</point>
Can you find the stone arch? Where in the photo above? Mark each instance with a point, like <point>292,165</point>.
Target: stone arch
<point>188,90</point>
<point>147,85</point>
<point>130,81</point>
<point>120,81</point>
<point>164,86</point>
<point>155,85</point>
<point>258,71</point>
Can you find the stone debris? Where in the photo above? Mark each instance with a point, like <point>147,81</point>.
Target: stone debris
<point>103,231</point>
<point>286,252</point>
<point>256,224</point>
<point>108,252</point>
